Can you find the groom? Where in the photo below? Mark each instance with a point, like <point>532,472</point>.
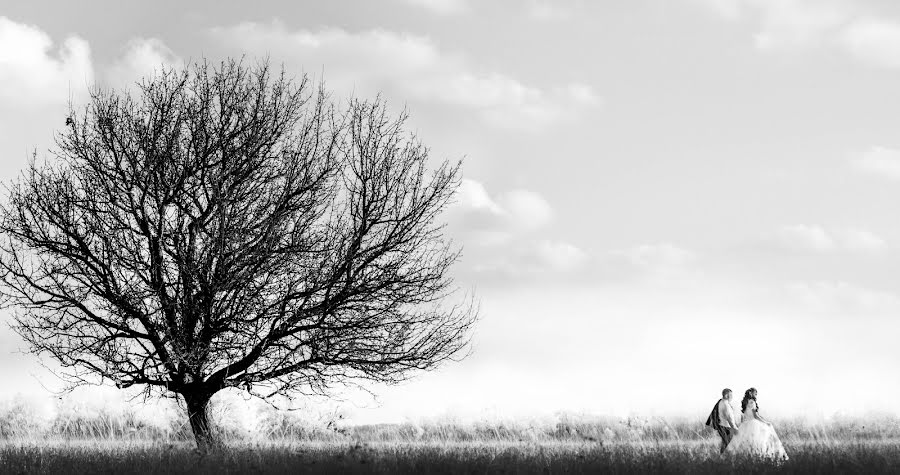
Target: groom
<point>722,419</point>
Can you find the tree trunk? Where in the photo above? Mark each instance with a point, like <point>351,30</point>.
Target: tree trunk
<point>197,405</point>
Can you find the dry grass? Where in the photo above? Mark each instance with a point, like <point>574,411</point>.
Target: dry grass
<point>105,442</point>
<point>435,457</point>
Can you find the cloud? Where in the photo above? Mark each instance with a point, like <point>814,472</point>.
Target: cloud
<point>662,263</point>
<point>841,297</point>
<point>142,58</point>
<point>816,239</point>
<point>505,241</point>
<point>654,256</point>
<point>874,41</point>
<point>441,7</point>
<point>501,234</point>
<point>544,10</point>
<point>804,238</point>
<point>504,101</point>
<point>852,27</point>
<point>487,219</point>
<point>529,259</point>
<point>785,23</point>
<point>795,23</point>
<point>412,66</point>
<point>547,10</point>
<point>526,208</point>
<point>730,9</point>
<point>32,73</point>
<point>881,161</point>
<point>860,240</point>
<point>558,255</point>
<point>564,262</point>
<point>472,195</point>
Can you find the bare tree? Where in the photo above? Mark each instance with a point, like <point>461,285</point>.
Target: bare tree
<point>232,228</point>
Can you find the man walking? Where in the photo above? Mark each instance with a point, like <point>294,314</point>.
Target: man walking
<point>722,419</point>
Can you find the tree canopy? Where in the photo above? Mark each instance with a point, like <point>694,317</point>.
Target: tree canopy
<point>229,227</point>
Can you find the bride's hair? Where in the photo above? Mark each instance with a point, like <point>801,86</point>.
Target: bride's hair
<point>748,395</point>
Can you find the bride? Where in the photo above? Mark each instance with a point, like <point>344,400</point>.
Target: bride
<point>756,435</point>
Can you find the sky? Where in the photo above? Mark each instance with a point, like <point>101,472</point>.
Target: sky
<point>661,198</point>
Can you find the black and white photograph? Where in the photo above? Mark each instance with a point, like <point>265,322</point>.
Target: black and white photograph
<point>449,236</point>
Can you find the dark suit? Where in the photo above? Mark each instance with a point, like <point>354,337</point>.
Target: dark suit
<point>725,431</point>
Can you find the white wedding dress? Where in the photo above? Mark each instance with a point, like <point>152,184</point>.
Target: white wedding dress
<point>755,437</point>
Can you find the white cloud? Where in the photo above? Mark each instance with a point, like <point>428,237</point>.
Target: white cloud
<point>795,23</point>
<point>526,208</point>
<point>537,9</point>
<point>504,101</point>
<point>730,9</point>
<point>441,7</point>
<point>853,27</point>
<point>531,259</point>
<point>785,22</point>
<point>582,94</point>
<point>559,255</point>
<point>142,58</point>
<point>472,194</point>
<point>880,161</point>
<point>800,237</point>
<point>486,219</point>
<point>548,10</point>
<point>843,297</point>
<point>32,73</point>
<point>503,239</point>
<point>657,263</point>
<point>809,238</point>
<point>499,234</point>
<point>654,256</point>
<point>544,10</point>
<point>411,66</point>
<point>476,217</point>
<point>874,41</point>
<point>860,240</point>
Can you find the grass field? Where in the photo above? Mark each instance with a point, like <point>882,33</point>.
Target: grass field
<point>78,441</point>
<point>116,457</point>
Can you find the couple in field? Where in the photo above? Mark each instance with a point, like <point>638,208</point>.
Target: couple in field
<point>753,435</point>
